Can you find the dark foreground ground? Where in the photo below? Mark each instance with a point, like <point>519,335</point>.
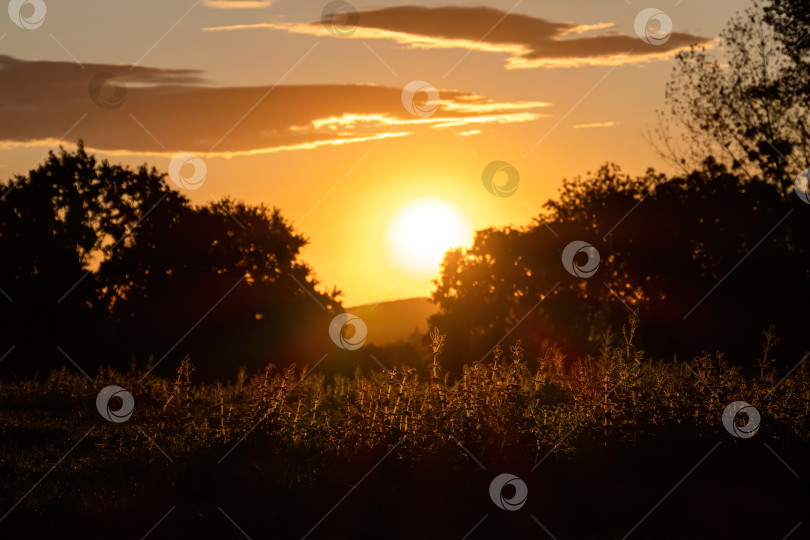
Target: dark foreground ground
<point>206,462</point>
<point>738,491</point>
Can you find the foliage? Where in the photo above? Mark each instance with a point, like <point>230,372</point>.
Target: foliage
<point>748,102</point>
<point>664,244</point>
<point>500,406</point>
<point>106,263</point>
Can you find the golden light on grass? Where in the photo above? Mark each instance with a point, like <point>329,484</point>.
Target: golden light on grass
<point>421,232</point>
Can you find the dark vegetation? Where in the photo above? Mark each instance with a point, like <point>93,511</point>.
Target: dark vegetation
<point>276,450</point>
<point>111,266</point>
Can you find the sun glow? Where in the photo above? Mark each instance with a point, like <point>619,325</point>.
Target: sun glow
<point>421,232</point>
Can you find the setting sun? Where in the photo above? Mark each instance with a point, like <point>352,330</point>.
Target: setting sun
<point>421,232</point>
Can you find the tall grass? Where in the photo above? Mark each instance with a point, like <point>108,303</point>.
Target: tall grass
<point>499,405</point>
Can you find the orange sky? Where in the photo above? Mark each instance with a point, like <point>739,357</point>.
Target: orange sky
<point>284,112</point>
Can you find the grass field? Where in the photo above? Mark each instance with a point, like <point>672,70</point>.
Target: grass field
<point>407,453</point>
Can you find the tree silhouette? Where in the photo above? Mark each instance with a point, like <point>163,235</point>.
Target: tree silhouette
<point>748,104</point>
<point>48,233</point>
<point>664,244</point>
<point>108,263</point>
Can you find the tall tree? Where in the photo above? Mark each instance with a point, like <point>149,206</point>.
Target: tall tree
<point>709,260</point>
<point>49,223</point>
<point>105,262</point>
<point>747,101</point>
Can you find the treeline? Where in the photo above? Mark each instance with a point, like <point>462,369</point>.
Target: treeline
<point>710,257</point>
<point>105,265</point>
<point>709,261</point>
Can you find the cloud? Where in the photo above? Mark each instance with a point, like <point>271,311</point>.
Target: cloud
<point>144,110</point>
<point>529,42</point>
<point>238,4</point>
<point>596,125</point>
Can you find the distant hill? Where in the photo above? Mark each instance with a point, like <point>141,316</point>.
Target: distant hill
<point>389,322</point>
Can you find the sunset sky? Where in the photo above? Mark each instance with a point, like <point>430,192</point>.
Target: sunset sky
<point>284,112</point>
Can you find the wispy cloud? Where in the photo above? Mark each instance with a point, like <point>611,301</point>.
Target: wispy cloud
<point>167,111</point>
<point>238,4</point>
<point>528,42</point>
<point>596,125</point>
